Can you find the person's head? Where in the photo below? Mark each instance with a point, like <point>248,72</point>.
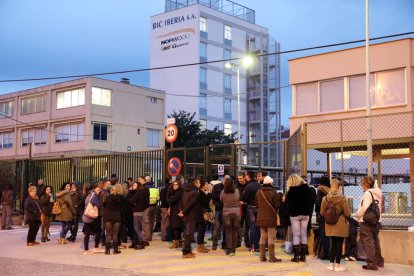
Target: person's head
<point>324,181</point>
<point>141,180</point>
<point>196,182</point>
<point>176,184</point>
<point>130,182</point>
<point>32,191</point>
<point>48,190</point>
<point>367,182</point>
<point>134,186</point>
<point>117,189</point>
<point>336,186</point>
<point>241,178</point>
<point>167,180</point>
<point>86,188</point>
<point>268,180</point>
<point>260,176</point>
<point>294,180</point>
<point>65,186</point>
<point>100,184</point>
<point>249,176</point>
<point>106,184</point>
<point>214,177</point>
<point>40,182</point>
<point>147,179</point>
<point>229,186</point>
<point>96,188</point>
<point>73,186</point>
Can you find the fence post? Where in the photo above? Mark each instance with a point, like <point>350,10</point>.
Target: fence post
<point>304,150</point>
<point>412,175</point>
<point>286,160</point>
<point>233,159</point>
<point>207,170</point>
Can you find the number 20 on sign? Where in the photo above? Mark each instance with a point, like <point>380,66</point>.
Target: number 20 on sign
<point>171,133</point>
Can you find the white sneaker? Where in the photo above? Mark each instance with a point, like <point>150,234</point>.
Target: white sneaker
<point>330,267</point>
<point>339,268</point>
<point>352,258</point>
<point>98,250</point>
<point>347,259</point>
<point>88,252</point>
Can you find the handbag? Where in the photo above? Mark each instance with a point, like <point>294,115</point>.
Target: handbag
<point>57,209</point>
<point>90,210</point>
<point>372,214</point>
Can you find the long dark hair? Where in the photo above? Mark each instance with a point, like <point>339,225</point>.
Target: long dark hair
<point>229,186</point>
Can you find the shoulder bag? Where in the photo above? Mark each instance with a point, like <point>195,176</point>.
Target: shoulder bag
<point>90,210</point>
<point>372,214</point>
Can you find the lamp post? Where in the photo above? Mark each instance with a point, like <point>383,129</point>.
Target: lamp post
<point>367,92</point>
<point>245,62</point>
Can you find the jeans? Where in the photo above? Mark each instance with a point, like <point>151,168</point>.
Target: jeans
<point>371,243</point>
<point>218,227</point>
<point>65,227</point>
<point>267,234</point>
<point>75,226</point>
<point>46,221</point>
<point>299,229</point>
<point>165,222</point>
<point>6,219</point>
<point>253,230</point>
<point>33,229</point>
<point>89,228</point>
<point>232,224</point>
<point>112,229</point>
<point>138,218</point>
<point>188,236</point>
<point>335,250</point>
<point>146,224</point>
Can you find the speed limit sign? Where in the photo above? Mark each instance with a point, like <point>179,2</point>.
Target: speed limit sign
<point>171,133</point>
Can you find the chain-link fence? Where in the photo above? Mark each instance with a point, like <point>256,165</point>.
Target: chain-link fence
<point>338,149</point>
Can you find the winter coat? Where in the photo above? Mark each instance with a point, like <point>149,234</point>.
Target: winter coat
<point>321,192</point>
<point>266,214</point>
<point>366,201</point>
<point>341,228</point>
<point>249,193</point>
<point>45,205</point>
<point>204,200</point>
<point>77,201</point>
<point>215,195</point>
<point>190,206</point>
<point>137,200</point>
<point>112,207</point>
<point>174,201</point>
<point>7,198</point>
<point>299,199</point>
<point>40,190</point>
<point>93,198</point>
<point>63,197</point>
<point>163,196</point>
<point>284,214</point>
<point>32,208</point>
<point>102,197</point>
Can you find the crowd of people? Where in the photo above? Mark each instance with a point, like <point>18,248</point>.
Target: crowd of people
<point>238,210</point>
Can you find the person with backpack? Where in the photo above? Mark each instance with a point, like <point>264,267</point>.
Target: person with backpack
<point>335,210</point>
<point>369,230</point>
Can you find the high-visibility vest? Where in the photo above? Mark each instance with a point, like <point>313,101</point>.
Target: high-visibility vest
<point>154,196</point>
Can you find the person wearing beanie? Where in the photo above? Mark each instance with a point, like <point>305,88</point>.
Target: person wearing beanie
<point>267,207</point>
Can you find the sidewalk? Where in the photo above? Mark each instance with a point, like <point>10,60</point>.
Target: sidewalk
<point>157,259</point>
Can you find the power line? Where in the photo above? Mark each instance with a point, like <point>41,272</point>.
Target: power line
<point>206,62</point>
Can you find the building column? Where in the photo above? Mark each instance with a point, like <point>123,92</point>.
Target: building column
<point>412,175</point>
<point>329,165</point>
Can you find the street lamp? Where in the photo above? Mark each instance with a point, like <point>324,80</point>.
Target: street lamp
<point>246,62</point>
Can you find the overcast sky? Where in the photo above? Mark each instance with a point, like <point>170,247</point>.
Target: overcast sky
<point>42,38</point>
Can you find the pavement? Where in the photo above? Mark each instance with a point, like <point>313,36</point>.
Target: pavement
<point>52,258</point>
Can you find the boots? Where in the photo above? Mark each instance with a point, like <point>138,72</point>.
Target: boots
<point>296,252</point>
<point>174,244</point>
<point>62,241</point>
<point>202,249</point>
<point>116,251</point>
<point>304,250</point>
<point>263,252</point>
<point>107,248</point>
<point>272,258</point>
<point>140,246</point>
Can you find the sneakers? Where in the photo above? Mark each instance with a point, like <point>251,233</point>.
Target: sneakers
<point>339,268</point>
<point>88,252</point>
<point>98,250</point>
<point>189,256</point>
<point>232,254</point>
<point>330,267</point>
<point>30,244</point>
<point>214,247</point>
<point>352,258</point>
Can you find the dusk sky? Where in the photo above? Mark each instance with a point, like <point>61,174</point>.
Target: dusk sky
<point>43,38</point>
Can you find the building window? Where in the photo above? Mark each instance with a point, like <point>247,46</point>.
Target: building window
<point>307,98</point>
<point>100,132</point>
<point>227,54</point>
<point>227,129</point>
<point>70,98</point>
<point>153,100</point>
<point>6,140</point>
<point>33,105</point>
<point>203,78</point>
<point>153,138</point>
<point>227,32</point>
<point>227,108</point>
<point>203,101</point>
<point>6,109</point>
<point>203,125</point>
<point>101,96</point>
<point>69,132</point>
<point>203,24</point>
<point>389,88</point>
<point>332,95</point>
<point>203,52</point>
<point>37,136</point>
<point>227,83</point>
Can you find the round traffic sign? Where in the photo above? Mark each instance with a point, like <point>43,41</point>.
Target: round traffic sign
<point>171,133</point>
<point>174,166</point>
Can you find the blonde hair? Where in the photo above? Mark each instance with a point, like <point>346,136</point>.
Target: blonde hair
<point>31,189</point>
<point>335,186</point>
<point>118,189</point>
<point>294,180</point>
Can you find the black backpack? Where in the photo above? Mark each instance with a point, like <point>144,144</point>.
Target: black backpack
<point>372,214</point>
<point>331,216</point>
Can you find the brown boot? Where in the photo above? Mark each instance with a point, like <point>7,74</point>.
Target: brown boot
<point>262,252</point>
<point>202,249</point>
<point>174,245</point>
<point>272,258</point>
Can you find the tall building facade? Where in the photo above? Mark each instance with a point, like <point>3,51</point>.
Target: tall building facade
<point>193,32</point>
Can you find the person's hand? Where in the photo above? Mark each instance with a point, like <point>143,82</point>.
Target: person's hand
<point>241,202</point>
<point>180,214</point>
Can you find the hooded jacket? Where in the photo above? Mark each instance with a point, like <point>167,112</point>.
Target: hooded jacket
<point>341,228</point>
<point>191,209</point>
<point>366,201</point>
<point>66,205</point>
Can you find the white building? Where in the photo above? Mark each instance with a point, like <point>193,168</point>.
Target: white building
<point>203,31</point>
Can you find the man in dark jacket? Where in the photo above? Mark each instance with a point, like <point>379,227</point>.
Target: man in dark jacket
<point>102,197</point>
<point>40,188</point>
<point>7,200</point>
<point>165,220</point>
<point>249,199</point>
<point>190,213</point>
<point>146,206</point>
<point>218,219</point>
